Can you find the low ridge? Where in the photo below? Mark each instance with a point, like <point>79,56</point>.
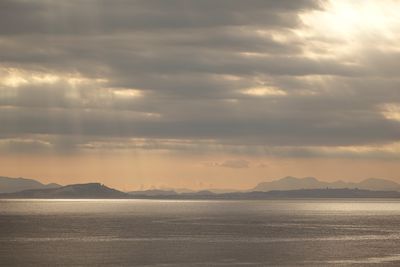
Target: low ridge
<point>293,183</point>
<point>89,190</point>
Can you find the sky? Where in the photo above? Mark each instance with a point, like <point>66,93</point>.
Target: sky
<point>199,94</point>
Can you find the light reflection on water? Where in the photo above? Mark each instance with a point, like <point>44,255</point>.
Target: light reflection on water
<point>199,233</point>
<point>109,205</point>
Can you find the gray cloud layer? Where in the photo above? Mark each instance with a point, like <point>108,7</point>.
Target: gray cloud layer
<point>184,70</point>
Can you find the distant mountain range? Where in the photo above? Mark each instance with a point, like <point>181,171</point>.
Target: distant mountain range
<point>172,193</point>
<point>307,193</point>
<point>99,191</point>
<point>293,183</point>
<point>10,185</point>
<point>153,193</point>
<point>163,190</point>
<point>288,187</point>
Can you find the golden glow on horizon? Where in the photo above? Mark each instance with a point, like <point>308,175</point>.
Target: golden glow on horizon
<point>137,171</point>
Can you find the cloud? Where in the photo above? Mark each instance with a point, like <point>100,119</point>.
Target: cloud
<point>233,164</point>
<point>24,146</point>
<point>101,16</point>
<point>250,77</point>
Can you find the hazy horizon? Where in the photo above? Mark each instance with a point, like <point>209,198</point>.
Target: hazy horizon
<point>289,181</point>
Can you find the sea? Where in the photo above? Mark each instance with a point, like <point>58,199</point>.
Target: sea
<point>296,232</point>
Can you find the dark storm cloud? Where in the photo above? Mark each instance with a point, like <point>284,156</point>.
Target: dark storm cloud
<point>185,70</point>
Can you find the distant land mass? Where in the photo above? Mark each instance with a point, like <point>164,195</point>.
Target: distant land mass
<point>293,183</point>
<point>186,190</point>
<point>153,193</point>
<point>13,185</point>
<point>287,187</point>
<point>10,185</point>
<point>274,194</point>
<point>100,191</point>
<point>87,191</point>
<point>311,193</point>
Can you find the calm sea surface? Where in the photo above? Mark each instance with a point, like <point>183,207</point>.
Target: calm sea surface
<point>199,233</point>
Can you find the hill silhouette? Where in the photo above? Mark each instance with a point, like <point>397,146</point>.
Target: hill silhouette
<point>10,185</point>
<point>90,190</point>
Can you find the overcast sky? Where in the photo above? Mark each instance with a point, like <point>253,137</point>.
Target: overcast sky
<point>199,93</point>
